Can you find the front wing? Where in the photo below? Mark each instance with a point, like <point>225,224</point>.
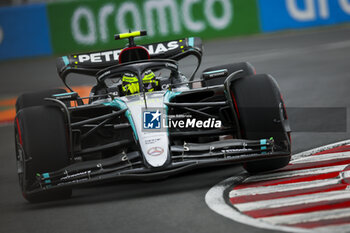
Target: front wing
<point>186,157</point>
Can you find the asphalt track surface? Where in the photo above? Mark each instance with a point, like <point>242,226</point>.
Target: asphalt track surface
<point>312,68</point>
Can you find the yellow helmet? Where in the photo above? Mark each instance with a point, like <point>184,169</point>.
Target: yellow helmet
<point>130,84</point>
<point>149,81</point>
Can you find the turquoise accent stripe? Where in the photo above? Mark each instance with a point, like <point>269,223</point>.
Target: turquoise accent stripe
<point>215,71</point>
<point>263,142</point>
<point>128,115</point>
<point>65,60</point>
<point>191,41</point>
<point>47,181</point>
<point>63,94</point>
<point>121,105</point>
<point>168,96</point>
<point>45,175</point>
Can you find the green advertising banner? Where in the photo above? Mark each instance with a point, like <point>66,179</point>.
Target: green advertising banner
<point>84,25</point>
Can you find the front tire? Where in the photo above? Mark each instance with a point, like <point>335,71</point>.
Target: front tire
<point>262,115</point>
<point>41,146</point>
<point>36,98</point>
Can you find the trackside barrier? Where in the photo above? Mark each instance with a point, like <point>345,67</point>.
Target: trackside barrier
<point>87,25</point>
<point>24,31</point>
<point>278,15</point>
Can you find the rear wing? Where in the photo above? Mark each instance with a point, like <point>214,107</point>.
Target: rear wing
<point>91,63</point>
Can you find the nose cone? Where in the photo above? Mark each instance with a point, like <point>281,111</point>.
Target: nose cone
<point>153,138</point>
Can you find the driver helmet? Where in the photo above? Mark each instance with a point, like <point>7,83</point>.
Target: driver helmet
<point>130,84</point>
<point>149,81</point>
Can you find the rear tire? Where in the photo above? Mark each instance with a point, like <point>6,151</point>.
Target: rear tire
<point>262,115</point>
<point>41,146</point>
<point>36,98</point>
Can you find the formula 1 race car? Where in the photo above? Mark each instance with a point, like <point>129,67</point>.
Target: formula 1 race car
<point>145,119</point>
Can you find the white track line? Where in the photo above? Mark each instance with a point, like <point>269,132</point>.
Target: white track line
<point>271,54</point>
<point>3,125</point>
<point>290,174</point>
<point>309,217</point>
<point>283,187</point>
<point>343,228</point>
<point>290,201</point>
<point>324,157</point>
<point>337,45</point>
<point>319,149</point>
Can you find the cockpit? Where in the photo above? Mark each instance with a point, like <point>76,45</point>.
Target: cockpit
<point>141,76</point>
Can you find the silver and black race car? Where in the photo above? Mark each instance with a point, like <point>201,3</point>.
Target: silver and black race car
<point>171,124</point>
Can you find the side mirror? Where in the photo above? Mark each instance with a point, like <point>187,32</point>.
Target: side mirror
<point>214,77</point>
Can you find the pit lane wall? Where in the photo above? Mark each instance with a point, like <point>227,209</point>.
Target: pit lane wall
<point>86,25</point>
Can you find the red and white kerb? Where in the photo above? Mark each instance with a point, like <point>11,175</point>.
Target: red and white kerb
<point>312,192</point>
